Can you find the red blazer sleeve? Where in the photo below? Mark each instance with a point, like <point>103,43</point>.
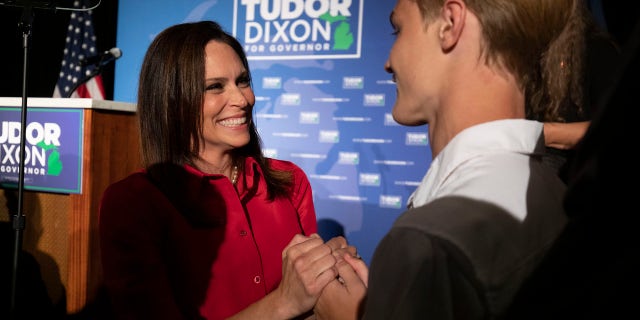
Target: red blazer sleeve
<point>130,229</point>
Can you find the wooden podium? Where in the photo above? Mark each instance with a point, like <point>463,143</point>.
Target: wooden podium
<point>62,228</point>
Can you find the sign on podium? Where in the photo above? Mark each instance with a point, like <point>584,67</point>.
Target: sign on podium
<point>74,148</point>
<point>54,142</point>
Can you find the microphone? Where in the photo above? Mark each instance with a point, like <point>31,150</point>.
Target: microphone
<point>102,59</point>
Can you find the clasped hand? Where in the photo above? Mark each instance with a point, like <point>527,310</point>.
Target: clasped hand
<point>322,276</point>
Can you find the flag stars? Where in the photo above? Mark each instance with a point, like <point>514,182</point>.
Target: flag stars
<point>80,44</point>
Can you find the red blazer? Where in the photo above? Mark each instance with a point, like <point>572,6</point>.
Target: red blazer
<point>187,246</point>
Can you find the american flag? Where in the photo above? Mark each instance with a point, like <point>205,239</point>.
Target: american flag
<point>80,44</point>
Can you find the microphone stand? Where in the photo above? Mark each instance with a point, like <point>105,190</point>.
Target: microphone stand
<point>19,219</point>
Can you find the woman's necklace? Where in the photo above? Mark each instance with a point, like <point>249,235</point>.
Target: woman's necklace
<point>234,175</point>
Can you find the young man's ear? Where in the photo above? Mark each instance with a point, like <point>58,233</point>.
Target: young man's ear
<point>453,15</point>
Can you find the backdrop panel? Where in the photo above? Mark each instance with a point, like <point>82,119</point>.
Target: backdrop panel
<point>323,98</point>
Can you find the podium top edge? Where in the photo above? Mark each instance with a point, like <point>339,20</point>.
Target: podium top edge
<point>80,103</point>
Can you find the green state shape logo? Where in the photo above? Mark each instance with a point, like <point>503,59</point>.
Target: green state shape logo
<point>342,36</point>
<point>54,165</point>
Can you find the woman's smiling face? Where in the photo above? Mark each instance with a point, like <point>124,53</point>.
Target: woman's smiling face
<point>228,100</point>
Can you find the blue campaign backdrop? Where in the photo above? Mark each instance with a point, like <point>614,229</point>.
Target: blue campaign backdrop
<point>323,99</point>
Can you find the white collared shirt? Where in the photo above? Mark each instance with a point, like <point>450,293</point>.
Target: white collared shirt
<point>488,162</point>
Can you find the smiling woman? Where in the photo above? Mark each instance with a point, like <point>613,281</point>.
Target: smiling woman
<point>210,228</point>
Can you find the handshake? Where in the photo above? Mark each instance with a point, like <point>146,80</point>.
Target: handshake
<point>328,278</point>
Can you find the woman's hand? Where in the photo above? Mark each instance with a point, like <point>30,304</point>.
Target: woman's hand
<point>308,265</point>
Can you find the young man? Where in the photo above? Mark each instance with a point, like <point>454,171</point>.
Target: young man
<point>487,210</point>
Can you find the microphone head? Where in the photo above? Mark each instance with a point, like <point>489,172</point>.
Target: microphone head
<point>115,52</point>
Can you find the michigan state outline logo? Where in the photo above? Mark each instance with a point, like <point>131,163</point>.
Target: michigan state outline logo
<point>53,148</point>
<point>299,29</point>
<point>41,155</point>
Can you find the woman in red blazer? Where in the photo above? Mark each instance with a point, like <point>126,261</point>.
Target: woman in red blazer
<point>210,228</point>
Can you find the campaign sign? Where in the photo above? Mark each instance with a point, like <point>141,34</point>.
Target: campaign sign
<point>296,29</point>
<point>52,153</point>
